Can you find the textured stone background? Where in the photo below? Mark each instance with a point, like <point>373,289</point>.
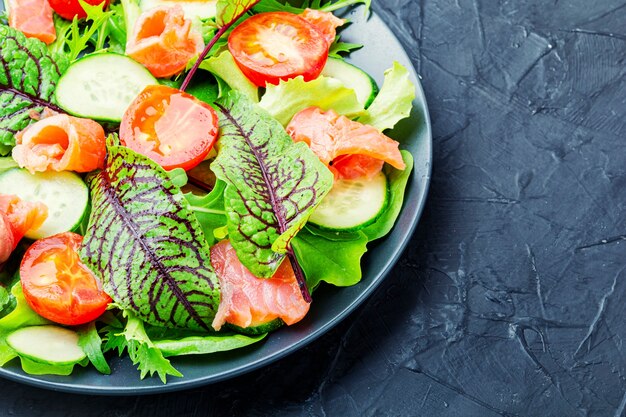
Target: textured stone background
<point>511,298</point>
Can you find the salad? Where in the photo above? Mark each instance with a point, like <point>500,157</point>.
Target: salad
<point>177,177</point>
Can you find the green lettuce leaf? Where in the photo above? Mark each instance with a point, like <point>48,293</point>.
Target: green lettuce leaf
<point>145,243</point>
<point>195,345</point>
<point>273,184</point>
<point>209,210</point>
<point>89,340</point>
<point>289,97</point>
<point>27,81</point>
<point>21,316</point>
<point>141,350</point>
<point>7,163</point>
<point>394,101</point>
<point>397,184</point>
<point>32,367</point>
<point>333,258</point>
<point>224,66</point>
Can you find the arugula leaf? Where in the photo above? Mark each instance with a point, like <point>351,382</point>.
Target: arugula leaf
<point>194,345</point>
<point>224,66</point>
<point>7,302</point>
<point>394,101</point>
<point>209,210</point>
<point>273,184</point>
<point>89,340</point>
<point>28,77</point>
<point>76,37</point>
<point>338,49</point>
<point>329,257</point>
<point>141,350</point>
<point>289,97</point>
<point>146,244</point>
<point>397,183</point>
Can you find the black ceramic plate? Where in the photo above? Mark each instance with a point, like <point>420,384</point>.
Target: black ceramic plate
<point>331,305</point>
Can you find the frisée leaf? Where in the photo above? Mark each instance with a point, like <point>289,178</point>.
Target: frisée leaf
<point>273,184</point>
<point>146,244</point>
<point>28,77</point>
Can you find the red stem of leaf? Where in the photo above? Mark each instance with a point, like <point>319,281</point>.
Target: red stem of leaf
<point>210,45</point>
<point>299,276</point>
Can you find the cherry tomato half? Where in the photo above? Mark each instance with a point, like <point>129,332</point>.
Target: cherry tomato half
<point>67,9</point>
<point>173,128</point>
<point>57,285</point>
<point>274,46</point>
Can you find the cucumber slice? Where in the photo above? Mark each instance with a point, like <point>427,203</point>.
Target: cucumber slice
<point>49,344</point>
<point>203,9</point>
<point>102,86</point>
<point>352,204</point>
<point>352,77</point>
<point>64,193</point>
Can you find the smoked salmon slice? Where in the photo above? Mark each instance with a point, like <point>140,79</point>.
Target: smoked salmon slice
<point>164,41</point>
<point>325,22</point>
<point>16,218</point>
<point>33,18</point>
<point>61,143</point>
<point>248,301</point>
<point>350,149</point>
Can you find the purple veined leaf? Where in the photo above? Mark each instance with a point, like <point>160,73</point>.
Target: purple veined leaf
<point>273,185</point>
<point>28,77</point>
<point>228,13</point>
<point>147,246</point>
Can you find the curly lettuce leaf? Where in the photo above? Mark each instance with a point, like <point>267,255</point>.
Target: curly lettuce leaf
<point>397,184</point>
<point>146,244</point>
<point>289,97</point>
<point>394,101</point>
<point>141,350</point>
<point>330,257</point>
<point>28,77</point>
<point>273,184</point>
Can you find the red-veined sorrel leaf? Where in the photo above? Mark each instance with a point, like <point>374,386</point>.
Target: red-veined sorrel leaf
<point>273,183</point>
<point>228,13</point>
<point>28,76</point>
<point>147,246</point>
<point>231,10</point>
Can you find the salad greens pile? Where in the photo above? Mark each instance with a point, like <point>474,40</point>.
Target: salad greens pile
<point>148,232</point>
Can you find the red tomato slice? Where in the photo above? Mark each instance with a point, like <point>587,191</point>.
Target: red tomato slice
<point>173,128</point>
<point>275,46</point>
<point>67,9</point>
<point>57,285</point>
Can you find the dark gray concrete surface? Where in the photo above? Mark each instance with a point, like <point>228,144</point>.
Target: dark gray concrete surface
<point>510,300</point>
